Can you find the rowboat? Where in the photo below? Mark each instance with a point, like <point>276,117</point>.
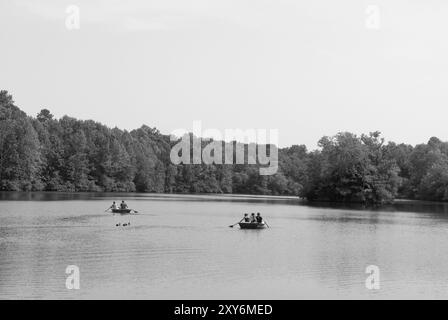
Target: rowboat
<point>121,211</point>
<point>252,225</point>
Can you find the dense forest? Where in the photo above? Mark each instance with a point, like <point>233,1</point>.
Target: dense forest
<point>44,153</point>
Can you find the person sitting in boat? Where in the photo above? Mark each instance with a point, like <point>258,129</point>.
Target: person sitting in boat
<point>123,205</point>
<point>113,206</point>
<point>259,218</point>
<point>245,218</point>
<point>252,218</point>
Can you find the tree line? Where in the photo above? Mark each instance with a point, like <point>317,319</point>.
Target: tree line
<point>46,154</point>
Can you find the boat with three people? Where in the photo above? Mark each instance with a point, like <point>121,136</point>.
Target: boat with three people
<point>252,222</point>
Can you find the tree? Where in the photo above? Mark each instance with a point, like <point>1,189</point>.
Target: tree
<point>44,115</point>
<point>352,169</point>
<point>19,148</point>
<point>434,185</point>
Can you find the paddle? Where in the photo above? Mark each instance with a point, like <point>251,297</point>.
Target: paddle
<point>234,225</point>
<point>266,224</point>
<point>107,210</point>
<point>135,211</point>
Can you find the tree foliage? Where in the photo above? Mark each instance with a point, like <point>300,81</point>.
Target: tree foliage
<point>68,154</point>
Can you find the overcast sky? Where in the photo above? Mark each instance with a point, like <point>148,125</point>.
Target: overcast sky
<point>308,68</point>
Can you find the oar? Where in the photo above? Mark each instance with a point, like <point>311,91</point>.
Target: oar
<point>135,211</point>
<point>107,210</point>
<point>266,224</point>
<point>234,225</point>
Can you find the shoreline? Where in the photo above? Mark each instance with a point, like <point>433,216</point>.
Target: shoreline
<point>227,195</point>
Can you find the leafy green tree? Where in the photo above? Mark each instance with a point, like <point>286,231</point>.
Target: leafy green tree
<point>352,169</point>
<point>19,148</point>
<point>434,185</point>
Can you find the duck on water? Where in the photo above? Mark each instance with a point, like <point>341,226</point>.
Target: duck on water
<point>252,222</point>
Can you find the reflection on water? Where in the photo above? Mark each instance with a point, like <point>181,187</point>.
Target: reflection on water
<point>182,247</point>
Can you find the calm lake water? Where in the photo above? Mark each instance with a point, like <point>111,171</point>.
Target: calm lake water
<point>181,247</point>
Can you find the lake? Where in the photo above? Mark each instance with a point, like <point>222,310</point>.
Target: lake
<point>181,247</point>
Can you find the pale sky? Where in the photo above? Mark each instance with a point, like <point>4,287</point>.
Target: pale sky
<point>307,68</point>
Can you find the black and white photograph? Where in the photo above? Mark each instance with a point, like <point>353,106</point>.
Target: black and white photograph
<point>215,150</point>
